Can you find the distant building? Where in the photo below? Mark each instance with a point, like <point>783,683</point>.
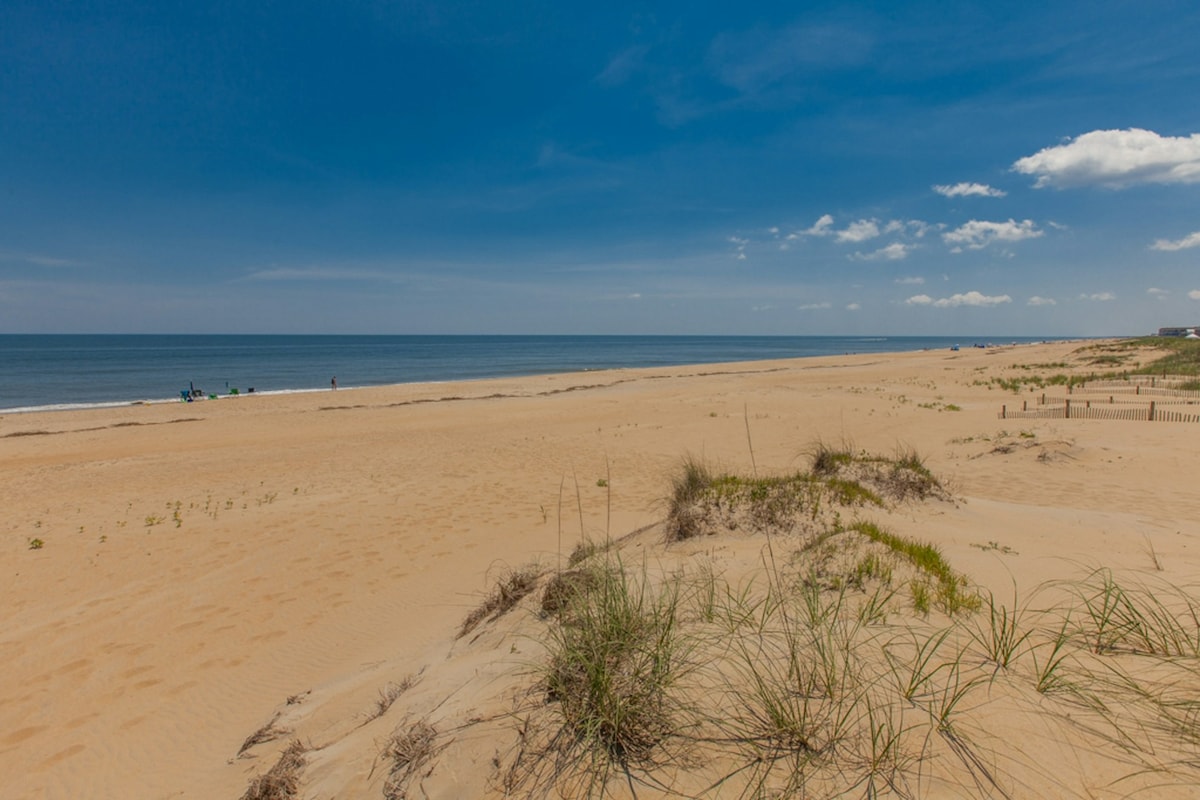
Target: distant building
<point>1178,331</point>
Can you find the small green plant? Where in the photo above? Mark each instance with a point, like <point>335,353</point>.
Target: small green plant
<point>36,544</point>
<point>1000,635</point>
<point>920,596</point>
<point>152,520</point>
<point>601,482</point>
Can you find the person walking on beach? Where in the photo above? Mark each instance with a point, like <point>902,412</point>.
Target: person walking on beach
<point>333,383</point>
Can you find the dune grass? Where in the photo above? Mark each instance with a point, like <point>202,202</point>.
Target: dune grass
<point>786,684</point>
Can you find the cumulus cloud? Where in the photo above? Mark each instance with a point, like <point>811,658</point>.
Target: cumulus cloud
<point>1098,297</point>
<point>1194,294</point>
<point>968,190</point>
<point>977,299</point>
<point>978,234</point>
<point>859,231</point>
<point>1116,159</point>
<point>914,280</point>
<point>1191,240</point>
<point>893,252</point>
<point>1041,301</point>
<point>822,227</point>
<point>856,306</point>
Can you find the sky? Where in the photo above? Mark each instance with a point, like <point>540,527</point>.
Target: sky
<point>365,166</point>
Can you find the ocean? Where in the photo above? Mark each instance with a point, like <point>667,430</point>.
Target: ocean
<point>46,372</point>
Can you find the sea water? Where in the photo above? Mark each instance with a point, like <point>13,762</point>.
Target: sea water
<point>79,371</point>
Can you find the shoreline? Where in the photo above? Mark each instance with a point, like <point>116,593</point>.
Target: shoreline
<point>61,407</point>
<point>200,567</point>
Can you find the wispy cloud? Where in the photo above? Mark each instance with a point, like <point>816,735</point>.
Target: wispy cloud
<point>755,60</point>
<point>953,301</point>
<point>914,280</point>
<point>977,234</point>
<point>623,66</point>
<point>1194,294</point>
<point>1191,240</point>
<point>1041,301</point>
<point>1116,159</point>
<point>39,260</point>
<point>856,306</point>
<point>896,251</point>
<point>740,244</point>
<point>814,306</point>
<point>1156,292</point>
<point>317,274</point>
<point>1098,297</point>
<point>822,227</point>
<point>968,190</point>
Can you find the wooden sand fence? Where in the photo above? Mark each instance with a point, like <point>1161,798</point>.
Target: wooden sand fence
<point>1121,400</point>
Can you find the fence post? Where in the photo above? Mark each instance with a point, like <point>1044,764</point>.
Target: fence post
<point>1004,412</point>
<point>1024,405</point>
<point>1137,389</point>
<point>1151,418</point>
<point>1067,411</point>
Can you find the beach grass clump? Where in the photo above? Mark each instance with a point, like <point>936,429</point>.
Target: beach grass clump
<point>938,583</point>
<point>615,657</point>
<point>688,486</point>
<point>512,587</point>
<point>1115,615</point>
<point>282,781</point>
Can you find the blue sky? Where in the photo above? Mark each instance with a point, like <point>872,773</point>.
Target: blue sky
<point>366,166</point>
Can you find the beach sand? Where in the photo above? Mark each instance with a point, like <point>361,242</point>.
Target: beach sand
<point>213,569</point>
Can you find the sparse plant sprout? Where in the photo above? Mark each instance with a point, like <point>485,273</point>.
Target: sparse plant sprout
<point>509,591</point>
<point>36,544</point>
<point>282,781</point>
<point>601,482</point>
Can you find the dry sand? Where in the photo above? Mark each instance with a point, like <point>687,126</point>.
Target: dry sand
<point>207,566</point>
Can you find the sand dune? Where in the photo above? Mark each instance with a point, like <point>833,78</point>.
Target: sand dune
<point>284,563</point>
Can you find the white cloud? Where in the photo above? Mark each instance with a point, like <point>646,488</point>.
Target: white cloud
<point>1191,240</point>
<point>1157,292</point>
<point>814,307</point>
<point>915,280</point>
<point>822,227</point>
<point>1041,301</point>
<point>953,301</point>
<point>859,231</point>
<point>856,306</point>
<point>1099,297</point>
<point>1194,294</point>
<point>978,234</point>
<point>1116,159</point>
<point>740,244</point>
<point>893,252</point>
<point>968,190</point>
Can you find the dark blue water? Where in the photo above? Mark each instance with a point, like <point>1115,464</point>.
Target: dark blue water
<point>66,371</point>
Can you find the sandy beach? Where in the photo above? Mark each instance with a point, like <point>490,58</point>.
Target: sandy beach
<point>180,576</point>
